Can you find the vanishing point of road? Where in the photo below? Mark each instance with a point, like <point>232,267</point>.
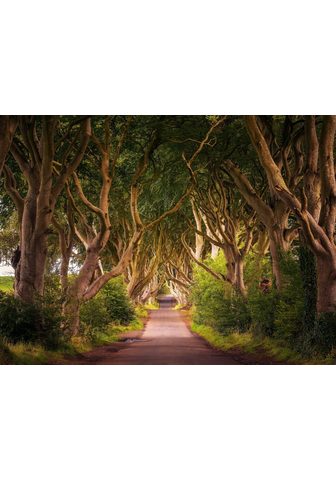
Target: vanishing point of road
<point>166,340</point>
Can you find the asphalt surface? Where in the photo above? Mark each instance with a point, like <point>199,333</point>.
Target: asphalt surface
<point>166,340</point>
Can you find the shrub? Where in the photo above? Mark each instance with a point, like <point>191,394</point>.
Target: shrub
<point>5,354</point>
<point>29,323</point>
<point>216,304</point>
<point>325,332</point>
<point>240,313</point>
<point>111,306</point>
<point>267,314</point>
<point>289,311</point>
<point>94,317</point>
<point>164,290</point>
<point>117,302</point>
<point>262,307</point>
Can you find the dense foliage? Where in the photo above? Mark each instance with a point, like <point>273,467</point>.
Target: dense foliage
<point>279,315</point>
<point>111,306</point>
<point>38,323</point>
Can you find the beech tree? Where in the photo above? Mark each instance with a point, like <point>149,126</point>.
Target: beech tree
<point>318,228</point>
<point>95,238</point>
<point>228,228</point>
<point>47,157</point>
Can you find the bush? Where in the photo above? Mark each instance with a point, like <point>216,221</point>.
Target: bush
<point>164,290</point>
<point>117,302</point>
<point>288,316</point>
<point>29,323</point>
<point>280,314</point>
<point>266,314</point>
<point>111,306</point>
<point>6,357</point>
<point>240,313</point>
<point>289,311</point>
<point>325,332</point>
<point>216,304</point>
<point>262,307</point>
<point>94,317</point>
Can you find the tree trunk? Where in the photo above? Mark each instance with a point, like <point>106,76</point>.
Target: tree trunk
<point>214,251</point>
<point>30,271</point>
<point>29,274</point>
<point>230,264</point>
<point>275,254</point>
<point>71,313</point>
<point>76,291</point>
<point>239,284</point>
<point>64,271</point>
<point>326,284</point>
<point>308,273</point>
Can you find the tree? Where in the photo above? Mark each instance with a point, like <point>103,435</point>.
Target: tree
<point>318,233</point>
<point>47,157</point>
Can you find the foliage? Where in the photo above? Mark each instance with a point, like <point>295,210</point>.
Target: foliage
<point>273,349</point>
<point>117,302</point>
<point>324,338</point>
<point>164,290</point>
<point>5,354</point>
<point>215,302</point>
<point>94,317</point>
<point>265,314</point>
<point>34,354</point>
<point>262,308</point>
<point>110,306</point>
<point>38,323</point>
<point>290,307</point>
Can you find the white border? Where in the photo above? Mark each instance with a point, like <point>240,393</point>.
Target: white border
<point>160,57</point>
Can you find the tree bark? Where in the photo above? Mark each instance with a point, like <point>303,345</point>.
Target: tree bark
<point>326,284</point>
<point>239,283</point>
<point>7,130</point>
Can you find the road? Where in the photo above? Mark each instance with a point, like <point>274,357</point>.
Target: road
<point>165,341</point>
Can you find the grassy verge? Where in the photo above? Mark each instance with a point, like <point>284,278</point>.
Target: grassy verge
<point>6,284</point>
<point>245,342</point>
<point>26,354</point>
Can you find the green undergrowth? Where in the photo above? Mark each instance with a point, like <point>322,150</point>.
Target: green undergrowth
<point>142,310</point>
<point>28,354</point>
<point>248,343</point>
<point>178,306</point>
<point>283,322</point>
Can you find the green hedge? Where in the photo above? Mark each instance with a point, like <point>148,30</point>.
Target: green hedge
<point>281,315</point>
<point>110,306</point>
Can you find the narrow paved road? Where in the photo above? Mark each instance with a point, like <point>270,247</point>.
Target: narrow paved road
<point>165,341</point>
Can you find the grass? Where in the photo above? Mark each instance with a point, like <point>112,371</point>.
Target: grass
<point>152,306</point>
<point>27,354</point>
<point>249,344</point>
<point>6,284</point>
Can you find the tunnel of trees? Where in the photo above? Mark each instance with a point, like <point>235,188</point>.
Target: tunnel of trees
<point>234,215</point>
